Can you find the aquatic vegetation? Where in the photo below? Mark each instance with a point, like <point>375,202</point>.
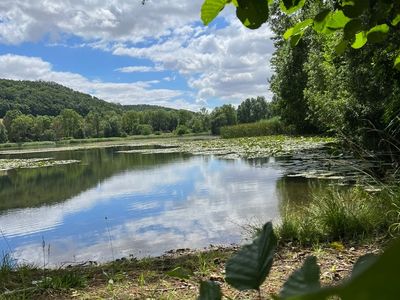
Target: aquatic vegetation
<point>31,163</point>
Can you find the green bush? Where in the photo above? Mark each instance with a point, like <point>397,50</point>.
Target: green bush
<point>145,129</point>
<point>261,128</point>
<point>181,130</point>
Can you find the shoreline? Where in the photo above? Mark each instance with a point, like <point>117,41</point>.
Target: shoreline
<point>177,273</point>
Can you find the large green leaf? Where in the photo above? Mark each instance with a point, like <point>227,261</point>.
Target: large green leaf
<point>337,20</point>
<point>360,40</point>
<point>248,269</point>
<point>354,8</point>
<point>378,279</point>
<point>321,19</point>
<point>290,6</point>
<point>352,28</point>
<point>363,263</point>
<point>252,13</point>
<point>210,290</point>
<point>298,28</point>
<point>211,9</point>
<point>378,33</point>
<point>303,280</point>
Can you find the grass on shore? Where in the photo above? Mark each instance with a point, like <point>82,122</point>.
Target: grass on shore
<point>341,215</point>
<point>174,276</point>
<point>272,126</point>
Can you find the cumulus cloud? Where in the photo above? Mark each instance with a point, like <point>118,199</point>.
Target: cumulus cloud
<point>224,61</point>
<point>122,20</point>
<point>231,63</point>
<point>33,68</point>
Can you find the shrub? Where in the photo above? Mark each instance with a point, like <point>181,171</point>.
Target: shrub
<point>261,128</point>
<point>145,129</point>
<point>181,130</point>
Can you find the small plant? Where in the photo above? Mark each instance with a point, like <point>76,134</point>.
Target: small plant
<point>372,277</point>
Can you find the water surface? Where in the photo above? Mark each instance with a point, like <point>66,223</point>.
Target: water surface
<point>113,204</point>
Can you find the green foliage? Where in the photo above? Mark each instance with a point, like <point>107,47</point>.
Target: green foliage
<point>145,129</point>
<point>181,130</point>
<point>65,280</point>
<point>303,280</point>
<point>251,265</point>
<point>337,215</point>
<point>22,129</point>
<point>3,133</point>
<point>252,13</point>
<point>47,98</point>
<point>304,283</point>
<point>210,290</point>
<point>222,116</point>
<point>262,128</point>
<point>253,110</point>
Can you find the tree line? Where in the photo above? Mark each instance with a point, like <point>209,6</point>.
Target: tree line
<point>19,127</point>
<point>354,94</point>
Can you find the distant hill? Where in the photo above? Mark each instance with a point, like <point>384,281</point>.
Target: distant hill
<point>49,98</point>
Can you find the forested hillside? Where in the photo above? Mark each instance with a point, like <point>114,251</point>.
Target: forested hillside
<point>40,98</point>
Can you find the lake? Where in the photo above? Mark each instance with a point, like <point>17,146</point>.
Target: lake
<point>113,204</point>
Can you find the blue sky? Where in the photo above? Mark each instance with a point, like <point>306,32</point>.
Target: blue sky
<point>123,52</point>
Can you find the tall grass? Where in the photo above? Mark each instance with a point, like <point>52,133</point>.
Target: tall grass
<point>265,127</point>
<point>334,215</point>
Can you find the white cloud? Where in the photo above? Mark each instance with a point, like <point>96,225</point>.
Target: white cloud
<point>139,69</point>
<point>33,68</point>
<point>227,62</point>
<point>122,20</point>
<point>231,63</point>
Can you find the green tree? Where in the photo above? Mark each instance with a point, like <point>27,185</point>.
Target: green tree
<point>22,129</point>
<point>10,116</point>
<point>130,122</point>
<point>94,126</point>
<point>253,110</point>
<point>222,116</point>
<point>3,133</point>
<point>41,127</point>
<point>113,125</point>
<point>71,123</point>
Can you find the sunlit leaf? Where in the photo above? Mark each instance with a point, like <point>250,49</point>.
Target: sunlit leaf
<point>321,19</point>
<point>248,269</point>
<point>397,62</point>
<point>290,6</point>
<point>252,13</point>
<point>303,280</point>
<point>210,290</point>
<point>360,40</point>
<point>211,9</point>
<point>298,28</point>
<point>378,33</point>
<point>337,20</point>
<point>396,20</point>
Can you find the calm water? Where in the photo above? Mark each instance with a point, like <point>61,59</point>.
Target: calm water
<point>113,204</point>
